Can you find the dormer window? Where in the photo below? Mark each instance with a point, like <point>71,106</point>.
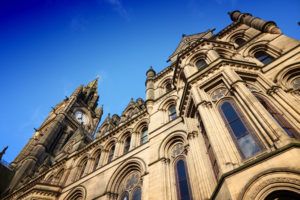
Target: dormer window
<point>263,57</point>
<point>240,41</point>
<point>201,63</point>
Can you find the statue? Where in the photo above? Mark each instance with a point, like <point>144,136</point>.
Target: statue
<point>3,152</point>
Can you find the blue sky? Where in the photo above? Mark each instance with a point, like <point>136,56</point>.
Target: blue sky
<point>49,47</point>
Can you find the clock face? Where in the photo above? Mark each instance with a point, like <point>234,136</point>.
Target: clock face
<point>81,117</point>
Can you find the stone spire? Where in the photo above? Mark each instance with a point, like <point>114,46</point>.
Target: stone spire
<point>254,22</point>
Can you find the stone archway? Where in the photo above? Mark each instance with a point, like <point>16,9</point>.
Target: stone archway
<point>283,195</point>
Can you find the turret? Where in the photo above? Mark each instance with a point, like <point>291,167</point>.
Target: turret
<point>150,88</point>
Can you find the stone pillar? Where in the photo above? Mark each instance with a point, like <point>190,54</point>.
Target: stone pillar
<point>150,89</point>
<point>204,168</point>
<point>226,153</point>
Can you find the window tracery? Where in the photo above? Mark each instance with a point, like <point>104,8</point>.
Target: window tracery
<point>131,187</point>
<point>218,94</point>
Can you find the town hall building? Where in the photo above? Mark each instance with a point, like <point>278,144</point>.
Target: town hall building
<point>221,122</point>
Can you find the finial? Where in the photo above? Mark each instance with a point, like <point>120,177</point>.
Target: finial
<point>66,98</point>
<point>131,99</point>
<point>36,129</point>
<point>3,152</point>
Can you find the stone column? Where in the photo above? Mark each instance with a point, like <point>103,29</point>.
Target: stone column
<point>203,168</point>
<point>225,151</point>
<point>134,140</point>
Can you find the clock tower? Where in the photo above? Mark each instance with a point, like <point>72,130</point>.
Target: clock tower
<point>69,126</point>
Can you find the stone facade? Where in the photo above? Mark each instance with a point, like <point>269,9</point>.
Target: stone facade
<point>222,122</point>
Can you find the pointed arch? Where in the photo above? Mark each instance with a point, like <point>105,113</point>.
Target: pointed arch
<point>133,164</point>
<point>78,193</point>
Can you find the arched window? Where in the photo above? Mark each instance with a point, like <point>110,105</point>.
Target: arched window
<point>240,41</point>
<point>82,167</point>
<point>137,194</point>
<point>111,153</point>
<point>59,176</point>
<point>278,117</point>
<point>182,181</point>
<point>127,144</point>
<point>124,196</point>
<point>201,63</point>
<point>97,159</point>
<point>246,142</point>
<point>144,135</point>
<point>172,112</point>
<point>168,87</point>
<point>263,57</point>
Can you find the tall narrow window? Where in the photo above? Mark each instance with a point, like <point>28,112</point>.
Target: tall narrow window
<point>144,135</point>
<point>278,118</point>
<point>240,41</point>
<point>137,194</point>
<point>182,181</point>
<point>244,139</point>
<point>127,144</point>
<point>97,159</point>
<point>111,153</point>
<point>82,167</point>
<point>172,112</point>
<point>263,57</point>
<point>201,63</point>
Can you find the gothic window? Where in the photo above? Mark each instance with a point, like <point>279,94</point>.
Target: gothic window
<point>127,144</point>
<point>81,168</point>
<point>201,63</point>
<point>296,83</point>
<point>278,117</point>
<point>240,41</point>
<point>111,153</point>
<point>182,181</point>
<point>59,176</point>
<point>168,87</point>
<point>246,142</point>
<point>137,194</point>
<point>172,112</point>
<point>97,159</point>
<point>263,57</point>
<point>144,135</point>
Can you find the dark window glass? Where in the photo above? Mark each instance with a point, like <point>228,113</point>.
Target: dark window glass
<point>245,141</point>
<point>127,144</point>
<point>172,112</point>
<point>182,181</point>
<point>201,63</point>
<point>240,41</point>
<point>296,83</point>
<point>168,87</point>
<point>111,153</point>
<point>125,196</point>
<point>263,57</point>
<point>144,136</point>
<point>278,118</point>
<point>137,194</point>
